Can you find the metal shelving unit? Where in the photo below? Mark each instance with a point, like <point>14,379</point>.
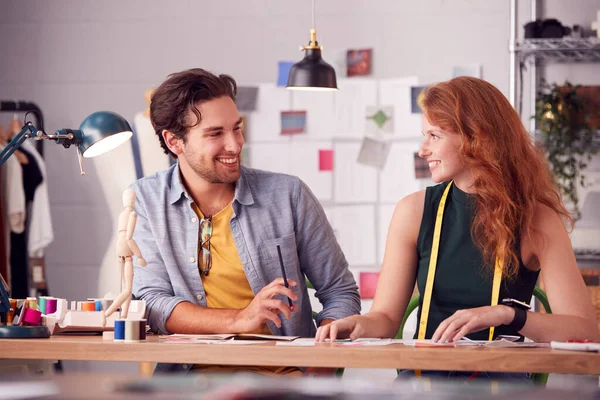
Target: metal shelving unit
<point>566,50</point>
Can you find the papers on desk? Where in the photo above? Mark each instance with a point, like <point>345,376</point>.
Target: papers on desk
<point>308,342</point>
<point>468,342</point>
<point>225,338</point>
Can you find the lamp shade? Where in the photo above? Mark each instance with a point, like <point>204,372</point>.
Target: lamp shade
<point>312,73</point>
<point>103,131</point>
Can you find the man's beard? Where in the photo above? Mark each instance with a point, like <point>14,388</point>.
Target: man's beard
<point>212,174</point>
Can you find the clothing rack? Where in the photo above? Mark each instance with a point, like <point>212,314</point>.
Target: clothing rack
<point>27,106</point>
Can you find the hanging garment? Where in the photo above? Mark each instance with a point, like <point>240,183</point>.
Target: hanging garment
<point>3,254</point>
<point>40,232</point>
<point>19,264</point>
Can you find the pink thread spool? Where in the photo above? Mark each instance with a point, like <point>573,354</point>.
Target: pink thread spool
<point>50,306</point>
<point>31,316</point>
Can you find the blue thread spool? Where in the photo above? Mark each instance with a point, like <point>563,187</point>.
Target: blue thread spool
<point>98,305</point>
<point>119,330</point>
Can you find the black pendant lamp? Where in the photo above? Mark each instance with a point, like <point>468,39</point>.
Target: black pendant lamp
<point>312,73</point>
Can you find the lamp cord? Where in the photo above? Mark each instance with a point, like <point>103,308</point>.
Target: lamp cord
<point>313,14</point>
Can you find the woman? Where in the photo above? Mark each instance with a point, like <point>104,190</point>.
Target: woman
<point>502,225</point>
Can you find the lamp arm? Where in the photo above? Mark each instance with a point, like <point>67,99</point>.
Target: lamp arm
<point>65,137</point>
<point>26,132</point>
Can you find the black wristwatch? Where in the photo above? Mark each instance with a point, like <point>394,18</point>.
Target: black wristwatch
<point>518,322</point>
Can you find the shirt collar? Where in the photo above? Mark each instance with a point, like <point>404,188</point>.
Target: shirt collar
<point>243,193</point>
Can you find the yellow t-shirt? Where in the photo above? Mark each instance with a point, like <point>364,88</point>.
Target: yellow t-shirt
<point>226,285</point>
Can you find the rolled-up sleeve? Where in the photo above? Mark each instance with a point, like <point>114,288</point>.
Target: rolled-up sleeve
<point>151,283</point>
<point>322,259</point>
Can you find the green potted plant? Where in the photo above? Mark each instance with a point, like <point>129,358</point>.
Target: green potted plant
<point>566,136</point>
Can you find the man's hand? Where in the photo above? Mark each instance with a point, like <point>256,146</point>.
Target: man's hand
<point>265,308</point>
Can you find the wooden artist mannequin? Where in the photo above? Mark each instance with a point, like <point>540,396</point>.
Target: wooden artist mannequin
<point>126,248</point>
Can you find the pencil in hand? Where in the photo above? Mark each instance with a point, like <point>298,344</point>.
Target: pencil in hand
<point>283,272</point>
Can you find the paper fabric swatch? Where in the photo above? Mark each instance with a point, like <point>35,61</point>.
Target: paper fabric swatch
<point>246,98</point>
<point>374,152</point>
<point>421,167</point>
<point>379,119</point>
<point>325,160</point>
<point>368,284</point>
<point>283,72</point>
<point>359,62</point>
<point>293,122</point>
<point>416,99</point>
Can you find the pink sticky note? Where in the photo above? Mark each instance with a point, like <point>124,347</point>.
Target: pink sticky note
<point>368,284</point>
<point>325,160</point>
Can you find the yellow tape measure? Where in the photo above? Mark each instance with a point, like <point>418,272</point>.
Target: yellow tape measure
<point>437,231</point>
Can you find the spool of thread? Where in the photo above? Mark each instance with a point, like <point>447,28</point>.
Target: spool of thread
<point>106,304</point>
<point>32,303</point>
<point>132,330</point>
<point>142,329</point>
<point>30,316</point>
<point>11,314</point>
<point>42,304</point>
<point>88,306</point>
<point>119,330</point>
<point>51,305</point>
<point>97,305</point>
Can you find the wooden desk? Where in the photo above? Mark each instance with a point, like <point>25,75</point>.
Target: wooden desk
<point>93,348</point>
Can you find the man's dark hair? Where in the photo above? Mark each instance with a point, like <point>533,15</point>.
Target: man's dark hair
<point>173,100</point>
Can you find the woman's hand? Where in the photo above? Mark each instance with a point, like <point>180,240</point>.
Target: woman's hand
<point>349,327</point>
<point>463,322</point>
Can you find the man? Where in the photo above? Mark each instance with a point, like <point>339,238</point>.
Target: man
<point>210,229</point>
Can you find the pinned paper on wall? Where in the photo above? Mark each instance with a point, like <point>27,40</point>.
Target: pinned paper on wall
<point>264,123</point>
<point>473,70</point>
<point>380,119</point>
<point>245,157</point>
<point>416,97</point>
<point>356,233</point>
<point>374,152</point>
<point>396,93</point>
<point>397,179</point>
<point>359,62</point>
<point>421,167</point>
<point>320,106</point>
<point>305,159</point>
<point>354,182</point>
<point>283,72</point>
<point>367,284</point>
<point>350,103</point>
<point>293,122</point>
<point>325,160</point>
<point>246,97</point>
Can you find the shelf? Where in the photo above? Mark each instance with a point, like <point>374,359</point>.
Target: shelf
<point>559,50</point>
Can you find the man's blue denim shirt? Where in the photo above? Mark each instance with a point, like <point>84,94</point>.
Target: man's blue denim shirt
<point>269,209</point>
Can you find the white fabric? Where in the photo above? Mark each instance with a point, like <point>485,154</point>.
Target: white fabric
<point>153,157</point>
<point>40,233</point>
<point>13,194</point>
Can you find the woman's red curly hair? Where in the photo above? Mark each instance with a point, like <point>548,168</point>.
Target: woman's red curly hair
<point>512,176</point>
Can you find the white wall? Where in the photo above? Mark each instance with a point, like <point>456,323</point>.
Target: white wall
<point>74,57</point>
